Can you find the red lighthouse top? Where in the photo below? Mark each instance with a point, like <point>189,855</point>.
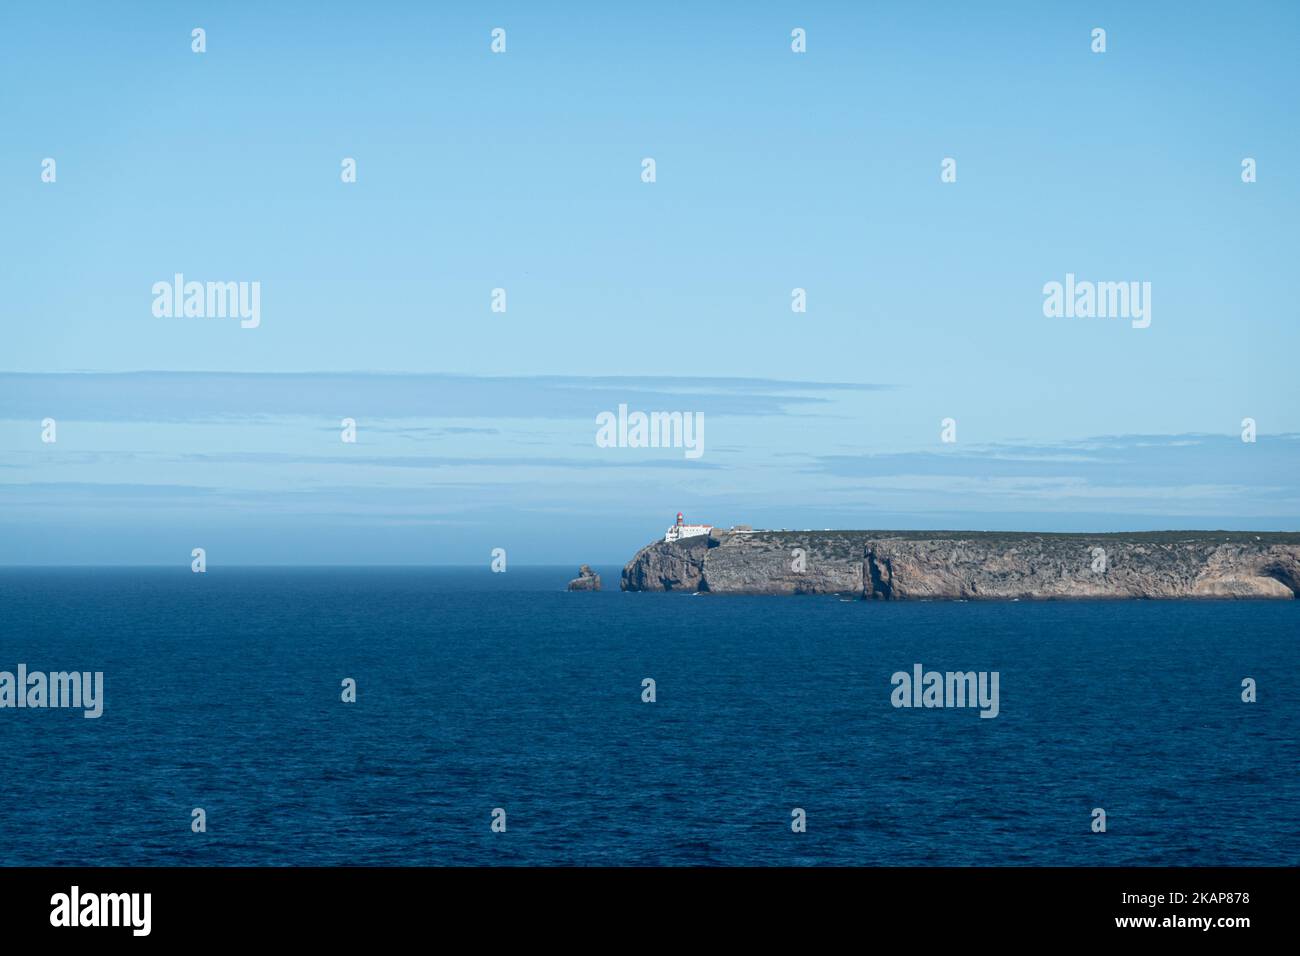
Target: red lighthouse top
<point>679,517</point>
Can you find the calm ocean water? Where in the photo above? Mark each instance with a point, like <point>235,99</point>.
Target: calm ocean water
<point>478,690</point>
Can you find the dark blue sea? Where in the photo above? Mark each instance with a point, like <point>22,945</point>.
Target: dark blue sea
<point>478,690</point>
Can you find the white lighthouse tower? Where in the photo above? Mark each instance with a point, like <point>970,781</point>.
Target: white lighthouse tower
<point>680,530</point>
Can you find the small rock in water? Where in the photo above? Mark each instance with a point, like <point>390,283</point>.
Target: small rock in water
<point>587,580</point>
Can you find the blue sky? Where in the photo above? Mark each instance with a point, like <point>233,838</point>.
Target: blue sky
<point>522,171</point>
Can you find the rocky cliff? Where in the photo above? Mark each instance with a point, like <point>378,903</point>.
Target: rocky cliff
<point>961,565</point>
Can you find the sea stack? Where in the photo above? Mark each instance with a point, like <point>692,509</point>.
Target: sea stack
<point>587,580</point>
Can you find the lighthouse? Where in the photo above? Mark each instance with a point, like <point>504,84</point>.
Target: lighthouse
<point>682,530</point>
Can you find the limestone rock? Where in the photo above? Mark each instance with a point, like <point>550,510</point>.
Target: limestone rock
<point>952,565</point>
<point>587,580</point>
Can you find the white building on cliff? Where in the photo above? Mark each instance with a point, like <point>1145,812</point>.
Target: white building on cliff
<point>680,530</point>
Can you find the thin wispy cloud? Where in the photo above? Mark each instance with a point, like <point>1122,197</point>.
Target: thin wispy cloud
<point>1151,460</point>
<point>205,396</point>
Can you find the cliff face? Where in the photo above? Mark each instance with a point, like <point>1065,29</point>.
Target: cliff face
<point>895,565</point>
<point>661,566</point>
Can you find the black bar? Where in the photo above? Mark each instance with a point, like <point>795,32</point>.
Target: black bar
<point>210,905</point>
